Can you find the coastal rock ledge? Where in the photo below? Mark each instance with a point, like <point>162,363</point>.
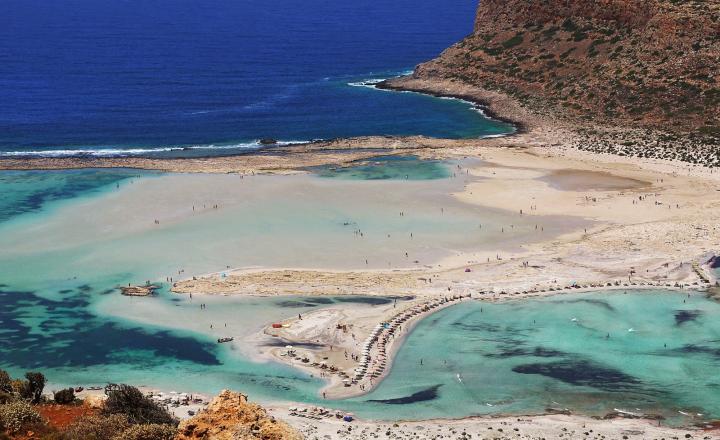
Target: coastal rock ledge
<point>231,417</point>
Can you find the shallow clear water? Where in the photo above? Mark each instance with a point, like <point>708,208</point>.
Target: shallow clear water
<point>290,221</point>
<point>387,168</point>
<point>80,76</point>
<point>652,353</point>
<point>27,191</point>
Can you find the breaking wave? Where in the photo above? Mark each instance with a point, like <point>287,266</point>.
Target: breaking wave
<point>127,152</point>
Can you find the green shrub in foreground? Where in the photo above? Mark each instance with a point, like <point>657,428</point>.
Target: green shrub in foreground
<point>147,432</point>
<point>35,386</point>
<point>97,427</point>
<point>18,415</point>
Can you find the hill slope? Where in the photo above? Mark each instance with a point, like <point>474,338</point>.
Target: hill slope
<point>632,63</point>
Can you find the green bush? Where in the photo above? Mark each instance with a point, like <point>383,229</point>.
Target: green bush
<point>148,432</point>
<point>97,427</point>
<point>139,409</point>
<point>569,25</point>
<point>5,382</point>
<point>512,42</point>
<point>36,384</point>
<point>64,396</point>
<point>18,415</point>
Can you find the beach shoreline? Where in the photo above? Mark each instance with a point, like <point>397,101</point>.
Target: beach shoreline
<point>616,425</point>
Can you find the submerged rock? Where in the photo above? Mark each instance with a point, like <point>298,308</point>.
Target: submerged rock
<point>147,290</point>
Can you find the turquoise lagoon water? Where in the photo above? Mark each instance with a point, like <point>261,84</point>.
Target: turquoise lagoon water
<point>389,167</point>
<point>518,357</point>
<point>649,353</point>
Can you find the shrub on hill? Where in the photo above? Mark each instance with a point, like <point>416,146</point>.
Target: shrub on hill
<point>65,396</point>
<point>138,408</point>
<point>35,386</point>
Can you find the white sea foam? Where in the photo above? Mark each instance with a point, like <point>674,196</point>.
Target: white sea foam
<point>373,82</point>
<point>122,152</point>
<point>499,135</point>
<point>370,83</point>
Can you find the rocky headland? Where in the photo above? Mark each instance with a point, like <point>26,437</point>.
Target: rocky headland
<point>626,77</point>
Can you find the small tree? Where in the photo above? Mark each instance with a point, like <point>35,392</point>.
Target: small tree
<point>139,409</point>
<point>36,384</point>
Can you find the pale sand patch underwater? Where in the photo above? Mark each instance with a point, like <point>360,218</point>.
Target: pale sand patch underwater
<point>649,221</point>
<point>182,225</point>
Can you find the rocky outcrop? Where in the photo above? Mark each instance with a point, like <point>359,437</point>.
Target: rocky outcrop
<point>231,417</point>
<point>630,63</point>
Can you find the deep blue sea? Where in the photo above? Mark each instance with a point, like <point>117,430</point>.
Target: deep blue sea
<point>132,75</point>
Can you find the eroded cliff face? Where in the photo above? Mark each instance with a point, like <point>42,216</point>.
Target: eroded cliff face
<point>231,417</point>
<point>640,63</point>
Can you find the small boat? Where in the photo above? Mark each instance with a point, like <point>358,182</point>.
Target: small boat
<point>227,339</point>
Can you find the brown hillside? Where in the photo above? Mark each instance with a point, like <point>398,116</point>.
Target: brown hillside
<point>634,63</point>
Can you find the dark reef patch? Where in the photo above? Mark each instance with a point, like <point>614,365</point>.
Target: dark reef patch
<point>421,396</point>
<point>371,300</point>
<point>582,373</point>
<point>282,343</point>
<point>683,316</point>
<point>596,302</point>
<point>293,304</point>
<point>509,352</point>
<point>71,336</point>
<point>479,327</point>
<point>318,300</point>
<point>700,349</point>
